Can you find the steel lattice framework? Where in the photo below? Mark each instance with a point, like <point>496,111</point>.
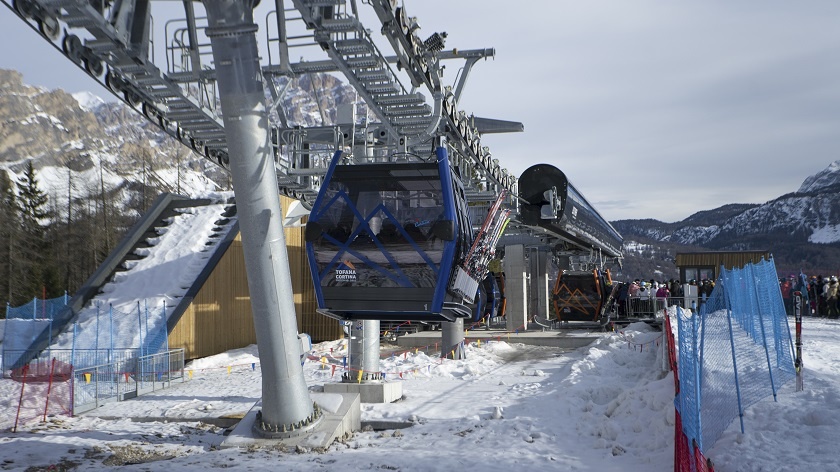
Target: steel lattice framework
<point>407,106</point>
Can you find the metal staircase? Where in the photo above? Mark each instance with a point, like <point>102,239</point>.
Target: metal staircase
<point>114,42</point>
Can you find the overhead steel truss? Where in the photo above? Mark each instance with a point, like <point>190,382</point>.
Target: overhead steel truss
<point>114,42</point>
<point>407,106</point>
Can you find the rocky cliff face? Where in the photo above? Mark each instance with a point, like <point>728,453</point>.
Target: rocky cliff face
<point>83,135</point>
<point>41,124</point>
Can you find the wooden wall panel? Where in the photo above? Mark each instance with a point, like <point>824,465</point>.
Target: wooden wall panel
<point>219,318</point>
<point>729,259</point>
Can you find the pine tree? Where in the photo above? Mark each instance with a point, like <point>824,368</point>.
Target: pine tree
<point>32,201</point>
<point>9,236</point>
<point>33,212</point>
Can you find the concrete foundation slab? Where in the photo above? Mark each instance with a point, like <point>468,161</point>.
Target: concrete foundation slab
<point>370,392</point>
<point>340,418</point>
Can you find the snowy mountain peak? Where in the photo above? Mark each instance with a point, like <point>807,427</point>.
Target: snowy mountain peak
<point>88,101</point>
<point>801,230</point>
<point>822,180</point>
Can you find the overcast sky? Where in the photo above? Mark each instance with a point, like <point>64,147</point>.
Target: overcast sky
<point>734,102</point>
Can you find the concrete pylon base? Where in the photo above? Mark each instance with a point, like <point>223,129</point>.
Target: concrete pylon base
<point>370,392</point>
<point>341,416</point>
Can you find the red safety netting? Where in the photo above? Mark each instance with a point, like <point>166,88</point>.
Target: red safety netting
<point>46,389</point>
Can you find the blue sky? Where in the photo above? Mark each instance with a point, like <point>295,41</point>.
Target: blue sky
<point>654,109</point>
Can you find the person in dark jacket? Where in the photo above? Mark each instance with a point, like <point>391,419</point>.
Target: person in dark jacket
<point>831,293</point>
<point>622,299</point>
<point>676,292</point>
<point>813,294</point>
<point>822,308</point>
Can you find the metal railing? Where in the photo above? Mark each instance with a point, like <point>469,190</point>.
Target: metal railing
<point>644,307</point>
<point>124,379</point>
<point>14,359</point>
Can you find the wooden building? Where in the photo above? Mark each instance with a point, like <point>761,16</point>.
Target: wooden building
<point>706,265</point>
<point>219,315</point>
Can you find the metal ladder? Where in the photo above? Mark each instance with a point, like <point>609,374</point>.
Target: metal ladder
<point>113,43</point>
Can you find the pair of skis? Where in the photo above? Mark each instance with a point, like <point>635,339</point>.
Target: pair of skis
<point>474,269</point>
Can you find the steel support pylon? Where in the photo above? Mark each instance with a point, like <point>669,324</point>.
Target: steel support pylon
<point>363,347</point>
<point>452,340</point>
<point>286,404</point>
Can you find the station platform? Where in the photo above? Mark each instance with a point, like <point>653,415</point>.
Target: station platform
<point>564,339</point>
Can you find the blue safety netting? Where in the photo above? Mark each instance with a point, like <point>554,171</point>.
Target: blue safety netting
<point>100,335</point>
<point>110,330</point>
<point>39,309</point>
<point>734,352</point>
<point>29,322</point>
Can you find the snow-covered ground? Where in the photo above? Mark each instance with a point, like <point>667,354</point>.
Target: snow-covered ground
<point>604,407</point>
<point>174,260</point>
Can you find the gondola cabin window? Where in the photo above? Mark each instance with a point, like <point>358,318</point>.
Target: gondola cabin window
<point>379,232</point>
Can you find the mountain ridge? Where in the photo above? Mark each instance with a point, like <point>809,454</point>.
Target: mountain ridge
<point>107,143</point>
<point>800,229</point>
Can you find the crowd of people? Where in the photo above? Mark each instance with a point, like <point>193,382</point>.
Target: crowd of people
<point>641,297</point>
<point>820,295</point>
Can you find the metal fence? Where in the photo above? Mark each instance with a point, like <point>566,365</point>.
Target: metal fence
<point>126,378</point>
<point>79,358</point>
<point>644,307</point>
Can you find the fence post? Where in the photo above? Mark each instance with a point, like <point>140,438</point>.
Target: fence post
<point>73,345</point>
<point>72,389</point>
<point>20,400</point>
<point>140,325</point>
<point>734,363</point>
<point>797,313</point>
<point>763,333</point>
<point>146,315</point>
<point>49,389</point>
<point>697,376</point>
<point>49,338</point>
<point>96,385</point>
<point>110,335</point>
<point>96,343</point>
<point>165,325</point>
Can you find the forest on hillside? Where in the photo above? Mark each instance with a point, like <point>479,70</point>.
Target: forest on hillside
<point>49,246</point>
